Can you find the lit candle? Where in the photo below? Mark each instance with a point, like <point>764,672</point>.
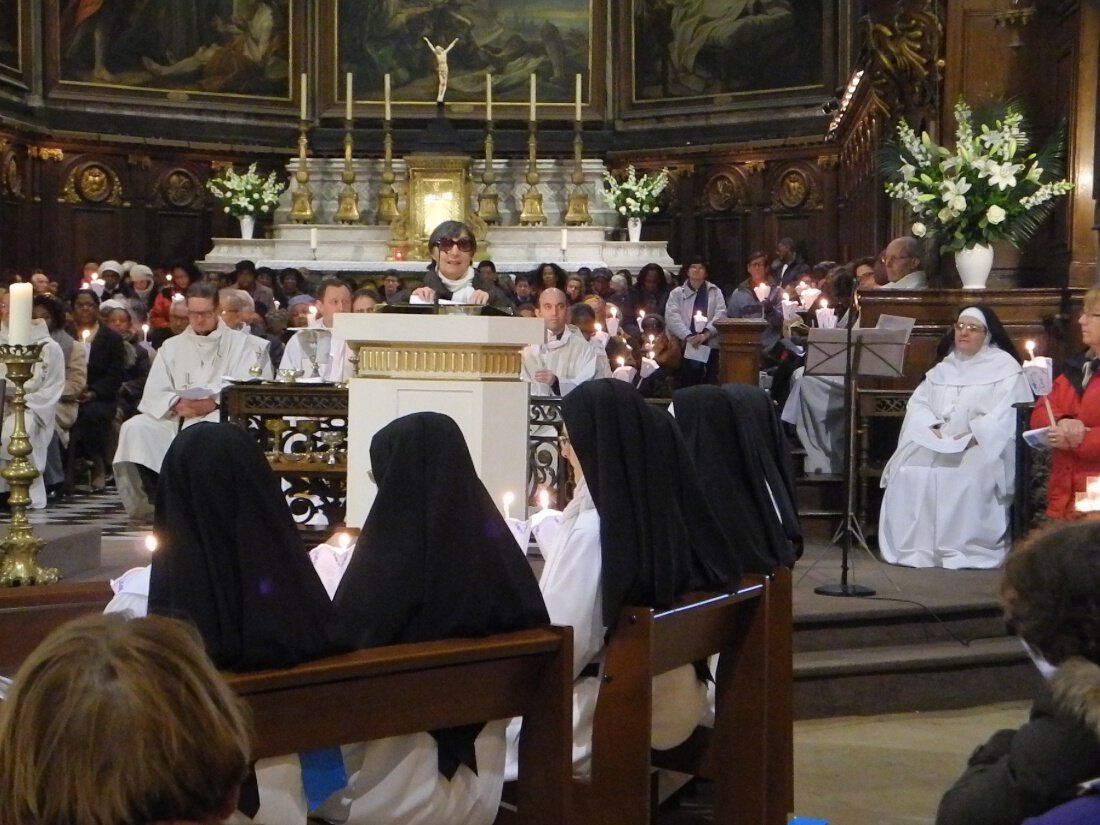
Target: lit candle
<point>343,541</point>
<point>533,98</point>
<point>277,305</point>
<point>641,317</point>
<point>19,314</point>
<point>489,96</point>
<point>577,106</point>
<point>826,316</point>
<point>544,499</point>
<point>145,331</point>
<point>612,326</point>
<point>313,313</point>
<point>507,500</point>
<point>620,361</point>
<point>303,96</point>
<point>167,277</point>
<point>1030,347</point>
<point>614,312</point>
<point>386,88</point>
<point>348,94</point>
<point>84,339</point>
<point>599,327</point>
<point>564,239</point>
<point>151,543</point>
<point>313,239</point>
<point>762,292</point>
<point>700,320</point>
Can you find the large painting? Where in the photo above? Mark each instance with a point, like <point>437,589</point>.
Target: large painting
<point>212,47</point>
<point>510,39</point>
<point>11,38</point>
<point>685,51</point>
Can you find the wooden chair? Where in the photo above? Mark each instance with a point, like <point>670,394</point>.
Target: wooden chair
<point>28,614</point>
<point>749,752</point>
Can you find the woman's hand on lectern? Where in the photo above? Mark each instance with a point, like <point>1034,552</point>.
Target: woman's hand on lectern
<point>479,296</point>
<point>424,293</point>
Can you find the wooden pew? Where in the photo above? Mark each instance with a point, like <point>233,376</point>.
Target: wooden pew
<point>749,754</point>
<point>372,694</point>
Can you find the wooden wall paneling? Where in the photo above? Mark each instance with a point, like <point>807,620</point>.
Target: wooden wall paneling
<point>724,248</point>
<point>1081,204</point>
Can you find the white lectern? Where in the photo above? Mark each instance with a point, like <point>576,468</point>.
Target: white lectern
<point>462,365</point>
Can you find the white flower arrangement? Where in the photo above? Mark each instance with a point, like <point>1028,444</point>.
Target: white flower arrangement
<point>636,196</point>
<point>246,194</point>
<point>987,189</point>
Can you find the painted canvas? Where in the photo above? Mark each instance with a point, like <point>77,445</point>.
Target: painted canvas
<point>511,39</point>
<point>684,49</point>
<point>237,47</point>
<point>10,43</point>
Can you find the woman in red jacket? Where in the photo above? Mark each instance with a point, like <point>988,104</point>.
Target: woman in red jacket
<point>1075,402</point>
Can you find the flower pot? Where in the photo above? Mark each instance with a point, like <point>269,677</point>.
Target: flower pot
<point>974,265</point>
<point>248,225</point>
<point>634,229</point>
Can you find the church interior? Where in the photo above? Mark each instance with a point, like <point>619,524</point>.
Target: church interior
<point>768,123</point>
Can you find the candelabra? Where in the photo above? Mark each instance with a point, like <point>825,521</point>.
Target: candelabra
<point>387,196</point>
<point>487,207</point>
<point>576,213</point>
<point>301,199</point>
<point>347,211</point>
<point>20,547</point>
<point>532,213</point>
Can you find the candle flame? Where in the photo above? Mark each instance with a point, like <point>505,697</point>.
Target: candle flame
<point>151,543</point>
<point>343,540</point>
<point>614,312</point>
<point>84,335</point>
<point>824,304</point>
<point>168,277</point>
<point>621,361</point>
<point>508,498</point>
<point>1030,347</point>
<point>599,327</point>
<point>144,327</point>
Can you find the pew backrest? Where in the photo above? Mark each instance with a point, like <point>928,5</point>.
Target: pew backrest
<point>28,614</point>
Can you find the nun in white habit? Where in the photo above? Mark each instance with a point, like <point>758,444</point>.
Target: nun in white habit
<point>950,482</point>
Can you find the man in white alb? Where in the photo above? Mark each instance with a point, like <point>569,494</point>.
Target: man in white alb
<point>317,351</point>
<point>566,359</point>
<point>183,387</point>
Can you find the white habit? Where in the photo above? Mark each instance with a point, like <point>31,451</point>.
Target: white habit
<point>191,364</point>
<point>394,781</point>
<point>571,587</point>
<point>950,509</point>
<point>43,391</point>
<point>815,406</point>
<point>571,358</point>
<point>331,359</point>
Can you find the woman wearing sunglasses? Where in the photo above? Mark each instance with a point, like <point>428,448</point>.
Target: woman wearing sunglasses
<point>951,481</point>
<point>451,275</point>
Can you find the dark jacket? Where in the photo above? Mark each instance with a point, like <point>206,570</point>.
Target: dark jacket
<point>1026,772</point>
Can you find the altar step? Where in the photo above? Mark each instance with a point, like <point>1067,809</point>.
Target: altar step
<point>820,503</point>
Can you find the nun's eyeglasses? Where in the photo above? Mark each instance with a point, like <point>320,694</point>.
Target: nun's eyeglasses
<point>961,327</point>
<point>464,244</point>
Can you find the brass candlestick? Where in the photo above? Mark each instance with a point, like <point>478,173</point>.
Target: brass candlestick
<point>487,206</point>
<point>301,199</point>
<point>347,211</point>
<point>576,213</point>
<point>20,547</point>
<point>532,213</point>
<point>387,197</point>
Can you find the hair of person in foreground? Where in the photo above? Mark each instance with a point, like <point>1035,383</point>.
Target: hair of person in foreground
<point>113,720</point>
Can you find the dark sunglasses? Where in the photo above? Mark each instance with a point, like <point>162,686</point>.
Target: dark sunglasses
<point>464,244</point>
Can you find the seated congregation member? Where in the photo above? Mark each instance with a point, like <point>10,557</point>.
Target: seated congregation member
<point>451,275</point>
<point>99,396</point>
<point>741,455</point>
<point>637,532</point>
<point>183,388</point>
<point>550,276</point>
<point>43,392</point>
<point>52,312</point>
<point>245,278</point>
<point>667,352</point>
<point>583,318</point>
<point>744,301</point>
<point>183,275</point>
<point>328,358</point>
<point>141,288</point>
<point>903,263</point>
<point>575,288</point>
<point>1050,591</point>
<point>951,481</point>
<point>690,313</point>
<point>651,291</point>
<point>100,688</point>
<point>566,359</point>
<point>1075,432</point>
<point>365,299</point>
<point>177,323</point>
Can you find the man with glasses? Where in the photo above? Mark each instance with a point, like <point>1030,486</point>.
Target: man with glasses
<point>902,260</point>
<point>183,387</point>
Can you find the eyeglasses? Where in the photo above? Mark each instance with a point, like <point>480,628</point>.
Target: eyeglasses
<point>1090,314</point>
<point>960,327</point>
<point>889,259</point>
<point>464,244</point>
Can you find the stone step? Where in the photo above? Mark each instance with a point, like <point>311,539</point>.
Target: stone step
<point>903,625</point>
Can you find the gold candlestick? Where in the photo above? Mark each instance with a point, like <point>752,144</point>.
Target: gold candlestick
<point>20,547</point>
<point>347,211</point>
<point>387,197</point>
<point>301,199</point>
<point>487,205</point>
<point>576,213</point>
<point>532,213</point>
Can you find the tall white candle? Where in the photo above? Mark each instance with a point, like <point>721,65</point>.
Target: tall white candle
<point>312,238</point>
<point>564,239</point>
<point>20,298</point>
<point>348,97</point>
<point>533,98</point>
<point>302,96</point>
<point>386,90</point>
<point>488,96</point>
<point>507,500</point>
<point>577,107</point>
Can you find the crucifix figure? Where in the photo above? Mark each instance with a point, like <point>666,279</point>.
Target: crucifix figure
<point>441,66</point>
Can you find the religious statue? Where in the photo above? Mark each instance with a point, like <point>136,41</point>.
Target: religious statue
<point>441,66</point>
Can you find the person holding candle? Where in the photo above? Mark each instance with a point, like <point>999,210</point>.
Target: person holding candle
<point>758,297</point>
<point>451,275</point>
<point>690,313</point>
<point>1074,400</point>
<point>951,481</point>
<point>43,389</point>
<point>583,319</point>
<point>52,312</point>
<point>665,353</point>
<point>651,291</point>
<point>183,274</point>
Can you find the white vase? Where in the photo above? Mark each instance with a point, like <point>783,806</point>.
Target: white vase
<point>634,229</point>
<point>248,225</point>
<point>974,265</point>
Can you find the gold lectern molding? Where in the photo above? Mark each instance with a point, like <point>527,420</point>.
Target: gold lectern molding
<point>450,362</point>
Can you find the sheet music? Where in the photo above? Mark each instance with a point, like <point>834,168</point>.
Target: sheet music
<point>881,348</point>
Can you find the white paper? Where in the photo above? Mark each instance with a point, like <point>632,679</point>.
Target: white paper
<point>1039,372</point>
<point>197,393</point>
<point>1038,439</point>
<point>694,353</point>
<point>945,444</point>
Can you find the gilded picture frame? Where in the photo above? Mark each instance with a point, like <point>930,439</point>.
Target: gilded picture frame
<point>243,54</point>
<point>510,39</point>
<point>701,53</point>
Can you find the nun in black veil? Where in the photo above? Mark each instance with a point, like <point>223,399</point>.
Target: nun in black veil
<point>638,531</point>
<point>745,468</point>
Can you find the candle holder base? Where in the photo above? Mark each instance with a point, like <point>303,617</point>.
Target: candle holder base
<point>387,205</point>
<point>347,211</point>
<point>576,213</point>
<point>532,214</point>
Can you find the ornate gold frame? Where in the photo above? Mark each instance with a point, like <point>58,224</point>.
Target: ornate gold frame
<point>438,191</point>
